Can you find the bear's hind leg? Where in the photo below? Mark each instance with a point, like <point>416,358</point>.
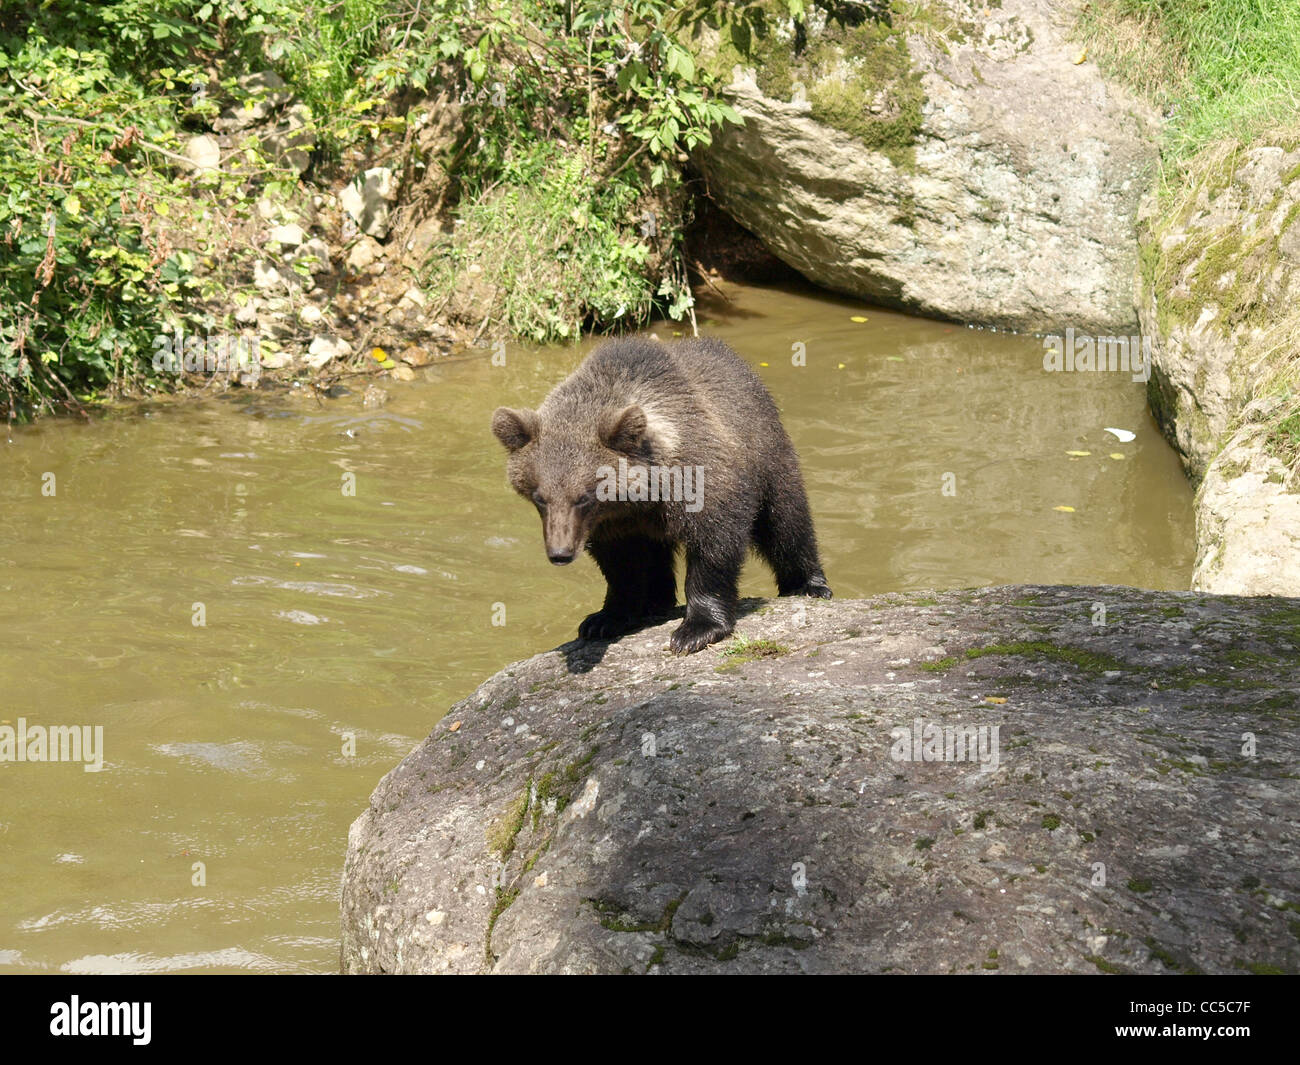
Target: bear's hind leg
<point>784,536</point>
<point>641,585</point>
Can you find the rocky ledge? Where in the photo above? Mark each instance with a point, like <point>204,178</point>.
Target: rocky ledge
<point>1021,779</point>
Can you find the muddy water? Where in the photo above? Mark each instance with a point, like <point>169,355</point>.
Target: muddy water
<point>337,628</point>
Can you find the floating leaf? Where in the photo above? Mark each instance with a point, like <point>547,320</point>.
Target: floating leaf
<point>1065,510</point>
<point>858,318</point>
<point>1079,454</point>
<point>1122,435</point>
<point>1116,455</point>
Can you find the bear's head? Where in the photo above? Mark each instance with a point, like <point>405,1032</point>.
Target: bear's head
<point>559,465</point>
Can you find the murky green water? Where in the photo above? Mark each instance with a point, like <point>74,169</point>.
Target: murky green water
<point>329,616</point>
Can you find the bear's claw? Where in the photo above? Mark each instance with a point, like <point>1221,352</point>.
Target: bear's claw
<point>814,587</point>
<point>695,634</point>
<point>603,625</point>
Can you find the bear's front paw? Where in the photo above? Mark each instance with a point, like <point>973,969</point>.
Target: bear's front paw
<point>695,634</point>
<point>605,625</point>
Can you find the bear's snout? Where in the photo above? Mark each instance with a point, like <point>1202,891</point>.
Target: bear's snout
<point>564,532</point>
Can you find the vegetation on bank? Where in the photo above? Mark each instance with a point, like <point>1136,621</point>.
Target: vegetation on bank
<point>564,172</point>
<point>563,197</point>
<point>1218,69</point>
<point>1226,75</point>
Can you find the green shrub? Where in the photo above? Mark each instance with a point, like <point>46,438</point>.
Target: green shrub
<point>576,116</point>
<point>92,98</point>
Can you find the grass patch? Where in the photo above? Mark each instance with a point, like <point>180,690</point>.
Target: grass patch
<point>502,833</point>
<point>550,248</point>
<point>742,650</point>
<point>1217,68</point>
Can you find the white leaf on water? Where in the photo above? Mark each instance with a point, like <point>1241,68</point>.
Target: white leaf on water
<point>301,617</point>
<point>1122,435</point>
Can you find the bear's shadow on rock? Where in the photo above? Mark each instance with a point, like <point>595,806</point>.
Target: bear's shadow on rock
<point>582,656</point>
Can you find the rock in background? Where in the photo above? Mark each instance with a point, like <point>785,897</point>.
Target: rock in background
<point>607,808</point>
<point>957,163</point>
<point>1220,269</point>
<point>1248,517</point>
<point>267,115</point>
<point>1220,287</point>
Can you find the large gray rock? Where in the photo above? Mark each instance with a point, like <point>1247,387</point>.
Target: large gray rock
<point>203,154</point>
<point>960,164</point>
<point>610,808</point>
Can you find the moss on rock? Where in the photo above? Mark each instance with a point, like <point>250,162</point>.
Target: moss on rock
<point>856,76</point>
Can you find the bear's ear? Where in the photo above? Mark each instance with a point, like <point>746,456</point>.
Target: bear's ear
<point>622,430</point>
<point>514,428</point>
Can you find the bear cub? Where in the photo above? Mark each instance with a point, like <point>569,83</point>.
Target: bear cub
<point>650,445</point>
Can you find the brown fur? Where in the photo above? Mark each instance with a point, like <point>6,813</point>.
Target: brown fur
<point>688,404</point>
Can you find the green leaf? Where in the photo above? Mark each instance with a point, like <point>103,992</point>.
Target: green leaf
<point>685,64</point>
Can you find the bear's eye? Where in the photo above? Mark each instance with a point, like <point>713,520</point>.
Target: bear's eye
<point>586,501</point>
<point>538,500</point>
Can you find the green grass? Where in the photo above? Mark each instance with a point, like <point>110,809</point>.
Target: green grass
<point>548,250</point>
<point>1218,68</point>
<point>744,647</point>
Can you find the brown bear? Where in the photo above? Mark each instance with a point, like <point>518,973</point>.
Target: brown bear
<point>648,445</point>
